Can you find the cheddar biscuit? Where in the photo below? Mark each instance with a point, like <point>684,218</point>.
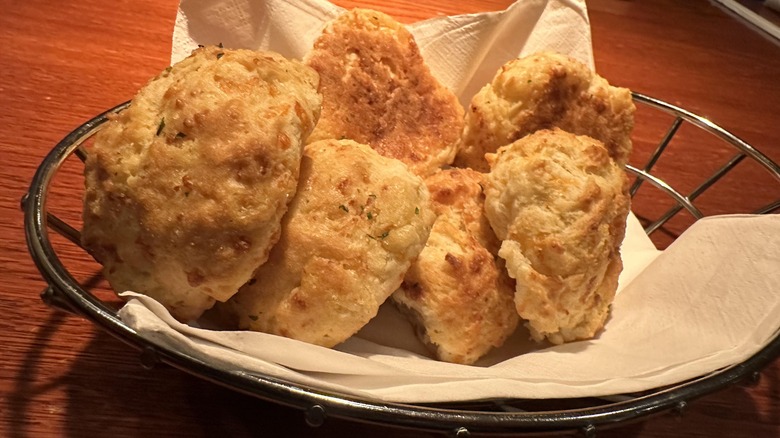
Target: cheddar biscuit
<point>354,227</point>
<point>378,91</point>
<point>457,293</point>
<point>186,188</point>
<point>559,203</point>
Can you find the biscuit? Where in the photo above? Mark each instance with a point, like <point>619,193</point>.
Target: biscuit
<point>456,293</point>
<point>355,225</point>
<point>543,91</point>
<point>186,188</point>
<point>559,204</point>
<point>377,90</point>
<point>460,192</point>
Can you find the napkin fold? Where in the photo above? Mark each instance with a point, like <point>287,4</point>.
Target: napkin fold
<point>709,301</point>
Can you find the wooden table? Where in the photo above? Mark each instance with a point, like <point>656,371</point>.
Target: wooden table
<point>63,62</point>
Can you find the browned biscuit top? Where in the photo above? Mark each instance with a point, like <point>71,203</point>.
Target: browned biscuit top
<point>378,91</point>
<point>185,189</point>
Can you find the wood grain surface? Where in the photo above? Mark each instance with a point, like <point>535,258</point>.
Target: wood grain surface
<point>63,62</point>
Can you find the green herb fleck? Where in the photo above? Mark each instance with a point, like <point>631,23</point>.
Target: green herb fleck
<point>220,46</point>
<point>379,237</point>
<point>220,55</point>
<point>180,135</point>
<point>369,215</point>
<point>416,210</point>
<point>344,207</point>
<point>161,126</point>
<point>253,317</point>
<point>372,196</point>
<point>168,69</point>
<point>200,46</point>
<point>529,81</point>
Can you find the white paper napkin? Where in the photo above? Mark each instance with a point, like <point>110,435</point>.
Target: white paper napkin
<point>709,301</point>
<point>463,51</point>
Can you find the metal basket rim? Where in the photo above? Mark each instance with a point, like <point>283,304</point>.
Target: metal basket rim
<point>68,294</point>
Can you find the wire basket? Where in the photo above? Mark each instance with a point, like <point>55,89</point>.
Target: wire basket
<point>487,416</point>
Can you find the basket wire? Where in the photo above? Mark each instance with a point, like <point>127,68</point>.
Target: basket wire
<point>487,416</point>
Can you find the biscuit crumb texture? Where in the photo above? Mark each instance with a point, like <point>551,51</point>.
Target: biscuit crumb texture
<point>186,188</point>
<point>377,90</point>
<point>543,91</point>
<point>559,203</point>
<point>352,231</point>
<point>457,293</point>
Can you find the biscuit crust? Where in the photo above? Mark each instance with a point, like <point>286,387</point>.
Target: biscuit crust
<point>457,292</point>
<point>354,227</point>
<point>378,91</point>
<point>543,91</point>
<point>186,188</point>
<point>559,203</point>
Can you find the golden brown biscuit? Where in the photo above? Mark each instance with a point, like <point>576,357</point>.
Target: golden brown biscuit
<point>543,91</point>
<point>356,223</point>
<point>185,189</point>
<point>378,91</point>
<point>456,293</point>
<point>559,203</point>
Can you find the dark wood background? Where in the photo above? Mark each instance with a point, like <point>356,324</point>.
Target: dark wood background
<point>63,62</point>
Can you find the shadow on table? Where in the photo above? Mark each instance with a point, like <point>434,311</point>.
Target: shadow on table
<point>109,393</point>
<point>737,411</point>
